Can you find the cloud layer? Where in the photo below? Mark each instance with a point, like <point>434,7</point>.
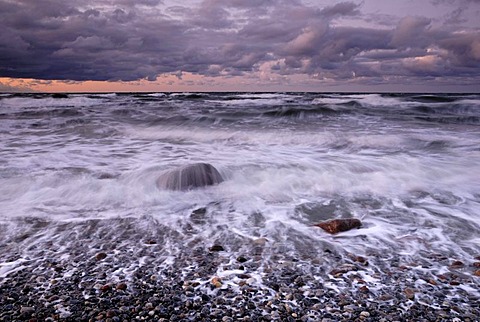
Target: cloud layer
<point>128,40</point>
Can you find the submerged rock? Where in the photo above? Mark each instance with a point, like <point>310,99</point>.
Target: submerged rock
<point>338,225</point>
<point>190,177</point>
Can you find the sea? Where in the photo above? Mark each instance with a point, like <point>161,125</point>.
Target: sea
<point>80,170</point>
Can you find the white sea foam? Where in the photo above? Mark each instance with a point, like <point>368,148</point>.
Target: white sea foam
<point>415,188</point>
<point>48,102</point>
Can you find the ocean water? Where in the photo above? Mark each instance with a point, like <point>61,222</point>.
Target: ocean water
<point>79,172</point>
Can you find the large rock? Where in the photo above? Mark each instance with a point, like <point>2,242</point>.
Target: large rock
<point>338,225</point>
<point>190,177</point>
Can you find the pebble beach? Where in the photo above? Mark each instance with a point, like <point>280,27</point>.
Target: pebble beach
<point>125,280</point>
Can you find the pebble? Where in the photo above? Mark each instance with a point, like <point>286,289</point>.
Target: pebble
<point>241,259</point>
<point>41,279</point>
<point>149,306</point>
<point>260,241</point>
<point>409,293</point>
<point>364,289</point>
<point>217,282</point>
<point>216,248</point>
<point>342,269</point>
<point>457,264</point>
<point>100,256</point>
<point>361,260</point>
<point>432,281</point>
<point>106,288</point>
<point>364,314</point>
<point>27,309</point>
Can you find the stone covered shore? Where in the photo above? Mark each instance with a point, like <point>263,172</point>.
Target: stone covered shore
<point>137,269</point>
<point>107,286</point>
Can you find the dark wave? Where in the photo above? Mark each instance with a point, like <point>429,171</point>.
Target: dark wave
<point>464,120</point>
<point>43,113</point>
<point>434,98</point>
<point>226,108</point>
<point>59,95</point>
<point>296,111</point>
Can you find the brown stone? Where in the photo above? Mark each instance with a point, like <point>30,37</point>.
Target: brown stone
<point>339,225</point>
<point>100,256</point>
<point>217,282</point>
<point>364,289</point>
<point>121,286</point>
<point>410,294</point>
<point>454,283</point>
<point>442,277</point>
<point>385,297</point>
<point>457,264</point>
<point>360,259</point>
<point>477,272</point>
<point>432,282</point>
<point>53,298</point>
<point>105,288</point>
<point>342,270</point>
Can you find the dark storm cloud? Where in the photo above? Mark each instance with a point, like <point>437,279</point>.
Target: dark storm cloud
<point>132,39</point>
<point>49,39</point>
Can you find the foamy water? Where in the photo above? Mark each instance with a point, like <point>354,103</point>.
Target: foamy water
<point>83,169</point>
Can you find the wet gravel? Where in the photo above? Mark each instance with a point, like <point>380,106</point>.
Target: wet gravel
<point>192,288</point>
<point>90,272</point>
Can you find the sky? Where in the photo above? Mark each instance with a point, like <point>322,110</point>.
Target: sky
<point>240,45</point>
